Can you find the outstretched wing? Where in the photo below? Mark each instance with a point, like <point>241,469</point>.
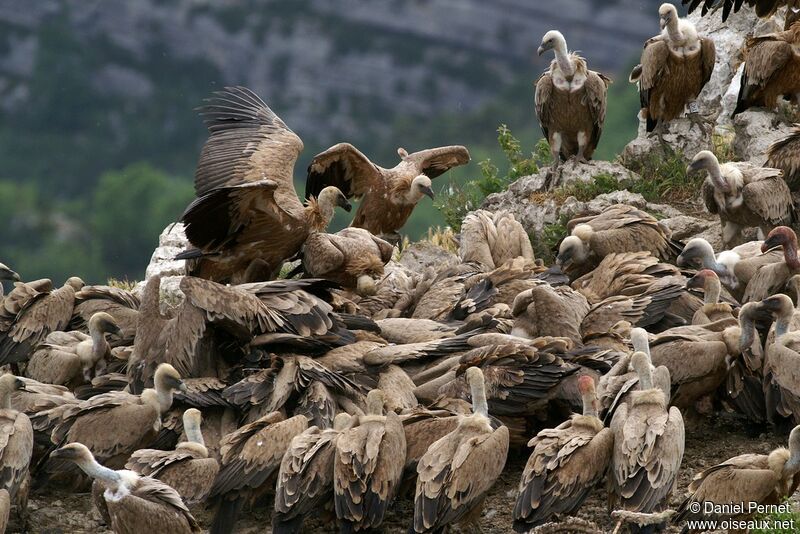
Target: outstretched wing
<point>343,166</point>
<point>434,162</point>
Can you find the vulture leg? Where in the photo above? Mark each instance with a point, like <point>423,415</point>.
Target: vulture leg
<point>699,120</point>
<point>730,231</point>
<point>658,132</point>
<point>393,239</point>
<point>555,149</point>
<point>583,140</point>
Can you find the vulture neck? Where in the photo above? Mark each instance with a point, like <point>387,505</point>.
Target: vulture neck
<point>674,30</point>
<point>194,434</point>
<point>479,404</point>
<point>712,291</point>
<point>747,335</point>
<point>782,324</point>
<point>5,400</point>
<point>715,173</point>
<point>589,408</point>
<point>108,476</point>
<point>100,346</point>
<point>790,255</point>
<point>150,305</point>
<point>318,214</point>
<point>645,379</point>
<point>563,60</point>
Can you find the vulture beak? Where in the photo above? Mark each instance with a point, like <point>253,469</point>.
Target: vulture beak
<point>8,274</point>
<point>343,203</point>
<point>182,386</point>
<point>663,21</point>
<point>19,385</point>
<point>681,261</point>
<point>564,259</point>
<point>695,166</point>
<point>427,191</point>
<point>695,282</point>
<point>541,50</point>
<point>770,244</point>
<point>60,453</point>
<point>771,305</point>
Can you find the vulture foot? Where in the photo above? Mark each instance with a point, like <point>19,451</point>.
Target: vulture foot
<point>394,239</point>
<point>701,121</point>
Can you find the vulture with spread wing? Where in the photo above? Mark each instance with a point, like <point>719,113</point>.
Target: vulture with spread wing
<point>388,196</point>
<point>247,218</point>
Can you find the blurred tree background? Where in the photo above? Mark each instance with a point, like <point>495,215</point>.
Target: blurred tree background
<point>98,137</point>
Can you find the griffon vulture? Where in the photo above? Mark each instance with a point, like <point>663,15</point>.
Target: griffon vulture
<point>120,304</point>
<point>16,444</point>
<point>133,504</point>
<point>491,239</point>
<point>570,102</point>
<point>744,195</point>
<point>388,196</point>
<point>457,470</point>
<point>565,464</point>
<point>771,70</point>
<point>772,277</point>
<point>247,218</point>
<point>784,154</point>
<point>675,66</point>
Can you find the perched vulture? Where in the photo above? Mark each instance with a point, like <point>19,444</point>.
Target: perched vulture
<point>771,70</point>
<point>44,313</point>
<point>388,196</point>
<point>565,465</point>
<point>619,228</point>
<point>250,458</point>
<point>73,358</point>
<point>305,477</point>
<point>16,444</point>
<point>188,469</point>
<point>132,503</point>
<point>491,239</point>
<point>19,298</point>
<point>713,310</point>
<point>648,445</point>
<point>115,424</point>
<point>570,102</point>
<point>748,478</point>
<point>744,195</point>
<point>457,471</point>
<point>675,66</point>
<point>247,218</point>
<point>784,154</point>
<point>353,258</point>
<point>781,383</point>
<point>772,277</point>
<point>368,466</point>
<point>764,8</point>
<point>745,381</point>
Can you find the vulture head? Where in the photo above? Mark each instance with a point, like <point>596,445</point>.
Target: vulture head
<point>781,236</point>
<point>331,197</point>
<point>74,452</point>
<point>420,186</point>
<point>778,306</point>
<point>575,248</point>
<point>103,323</point>
<point>168,379</point>
<point>588,395</point>
<point>402,152</point>
<point>342,421</point>
<point>375,401</point>
<point>8,274</point>
<point>662,381</point>
<point>366,286</point>
<point>75,283</point>
<point>8,385</point>
<point>697,251</point>
<point>192,419</point>
<point>699,280</point>
<point>640,362</point>
<point>666,14</point>
<point>706,160</point>
<point>553,40</point>
<point>477,386</point>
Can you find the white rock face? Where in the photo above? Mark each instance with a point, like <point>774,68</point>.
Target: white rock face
<point>755,132</point>
<point>171,242</point>
<point>681,135</point>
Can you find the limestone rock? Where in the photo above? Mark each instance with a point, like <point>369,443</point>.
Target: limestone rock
<point>680,135</point>
<point>171,242</point>
<point>571,171</point>
<point>755,131</point>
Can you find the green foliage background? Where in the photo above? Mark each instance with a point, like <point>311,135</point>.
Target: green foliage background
<point>87,180</point>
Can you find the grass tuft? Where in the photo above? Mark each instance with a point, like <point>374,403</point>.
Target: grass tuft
<point>125,284</point>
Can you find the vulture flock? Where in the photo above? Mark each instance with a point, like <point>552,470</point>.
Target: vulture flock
<point>330,392</point>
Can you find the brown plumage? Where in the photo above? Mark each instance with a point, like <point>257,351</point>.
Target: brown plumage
<point>188,469</point>
<point>353,258</point>
<point>763,8</point>
<point>16,445</point>
<point>747,478</point>
<point>570,102</point>
<point>771,69</point>
<point>648,445</point>
<point>491,239</point>
<point>549,311</point>
<point>368,466</point>
<point>18,299</point>
<point>784,154</point>
<point>388,196</point>
<point>619,228</point>
<point>781,383</point>
<point>44,313</point>
<point>305,478</point>
<point>565,464</point>
<point>458,469</point>
<point>744,195</point>
<point>121,305</point>
<point>250,457</point>
<point>73,358</point>
<point>113,425</point>
<point>675,66</point>
<point>770,278</point>
<point>133,504</point>
<point>247,218</point>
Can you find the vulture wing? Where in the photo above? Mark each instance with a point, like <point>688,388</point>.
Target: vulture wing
<point>247,143</point>
<point>767,194</point>
<point>596,87</point>
<point>434,162</point>
<point>544,88</point>
<point>784,154</point>
<point>343,166</point>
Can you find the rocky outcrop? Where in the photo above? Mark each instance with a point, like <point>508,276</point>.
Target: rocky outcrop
<point>755,132</point>
<point>171,242</point>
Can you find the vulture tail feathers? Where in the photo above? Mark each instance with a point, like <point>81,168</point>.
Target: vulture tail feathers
<point>190,254</point>
<point>227,513</point>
